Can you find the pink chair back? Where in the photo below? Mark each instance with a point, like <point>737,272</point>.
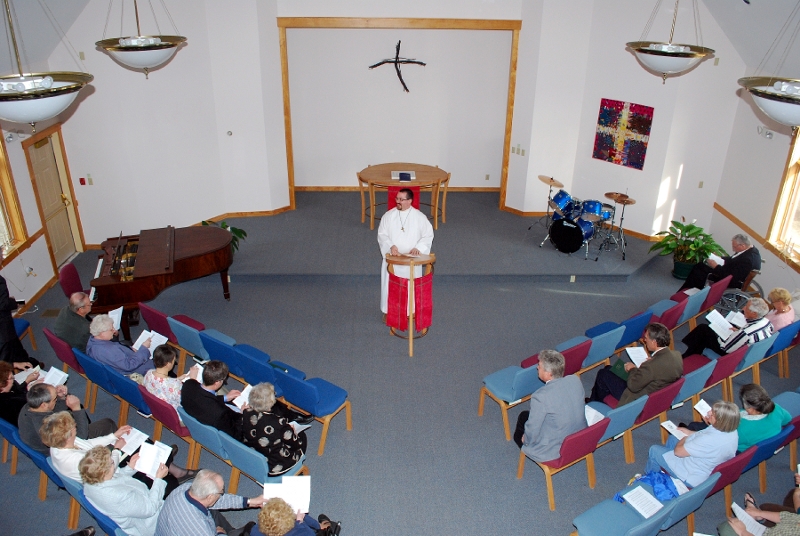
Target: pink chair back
<point>530,361</point>
<point>157,321</point>
<point>70,280</point>
<point>164,413</point>
<point>660,401</point>
<point>573,357</point>
<point>580,444</point>
<point>63,351</point>
<point>731,470</point>
<point>393,191</point>
<point>726,365</point>
<point>671,316</point>
<point>715,292</point>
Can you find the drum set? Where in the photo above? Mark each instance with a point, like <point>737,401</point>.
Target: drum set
<point>575,222</point>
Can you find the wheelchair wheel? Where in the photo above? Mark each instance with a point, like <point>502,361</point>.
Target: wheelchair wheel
<point>733,300</point>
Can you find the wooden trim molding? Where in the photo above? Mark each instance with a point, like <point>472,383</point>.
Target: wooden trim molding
<point>356,189</point>
<point>513,26</point>
<point>28,242</point>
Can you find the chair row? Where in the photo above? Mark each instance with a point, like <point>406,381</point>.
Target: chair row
<point>11,438</point>
<point>314,396</point>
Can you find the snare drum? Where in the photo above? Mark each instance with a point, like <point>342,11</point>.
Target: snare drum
<point>592,210</point>
<point>562,203</point>
<point>568,236</point>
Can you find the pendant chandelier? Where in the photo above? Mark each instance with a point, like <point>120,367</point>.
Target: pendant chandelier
<point>670,58</point>
<point>33,97</point>
<point>776,96</point>
<point>141,52</point>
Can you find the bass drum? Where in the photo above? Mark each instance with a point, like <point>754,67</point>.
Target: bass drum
<point>568,236</point>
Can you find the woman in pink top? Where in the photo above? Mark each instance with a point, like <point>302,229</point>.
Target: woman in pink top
<point>782,313</point>
<point>160,383</point>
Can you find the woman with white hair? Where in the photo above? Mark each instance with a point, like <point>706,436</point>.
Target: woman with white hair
<point>118,356</point>
<point>270,433</point>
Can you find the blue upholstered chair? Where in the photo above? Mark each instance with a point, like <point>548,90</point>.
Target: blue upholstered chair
<point>220,347</point>
<point>40,461</point>
<point>684,506</point>
<point>693,383</point>
<point>765,450</point>
<point>75,489</point>
<point>611,518</point>
<point>23,329</point>
<point>259,356</point>
<point>752,360</point>
<point>98,374</point>
<point>205,437</point>
<point>10,439</point>
<point>128,394</point>
<point>694,304</point>
<point>508,387</point>
<point>621,418</point>
<point>188,338</point>
<point>634,326</point>
<point>254,464</point>
<point>780,347</point>
<point>316,396</point>
<point>602,348</point>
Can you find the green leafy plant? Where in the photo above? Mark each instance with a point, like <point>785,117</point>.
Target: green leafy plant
<point>236,233</point>
<point>687,242</point>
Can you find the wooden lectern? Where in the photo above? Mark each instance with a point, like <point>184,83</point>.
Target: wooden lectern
<point>426,261</point>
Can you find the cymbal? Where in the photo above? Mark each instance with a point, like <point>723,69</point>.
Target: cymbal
<point>617,197</point>
<point>627,201</point>
<point>550,181</point>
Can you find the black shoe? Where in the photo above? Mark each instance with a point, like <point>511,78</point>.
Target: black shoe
<point>303,419</point>
<point>88,531</point>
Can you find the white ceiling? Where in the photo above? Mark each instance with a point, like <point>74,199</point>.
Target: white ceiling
<point>750,27</point>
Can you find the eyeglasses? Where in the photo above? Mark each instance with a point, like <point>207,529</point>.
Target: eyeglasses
<point>398,199</point>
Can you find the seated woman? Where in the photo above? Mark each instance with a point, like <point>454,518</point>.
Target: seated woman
<point>270,433</point>
<point>694,457</point>
<point>13,396</point>
<point>118,356</point>
<point>782,313</point>
<point>121,497</point>
<point>67,450</point>
<point>158,381</point>
<point>760,419</point>
<point>277,519</point>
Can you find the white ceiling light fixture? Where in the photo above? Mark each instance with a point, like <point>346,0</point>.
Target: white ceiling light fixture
<point>33,97</point>
<point>141,52</point>
<point>776,96</point>
<point>670,58</point>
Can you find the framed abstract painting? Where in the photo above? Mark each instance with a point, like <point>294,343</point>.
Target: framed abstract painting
<point>623,130</point>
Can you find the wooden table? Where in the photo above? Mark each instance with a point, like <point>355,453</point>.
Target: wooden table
<point>380,176</point>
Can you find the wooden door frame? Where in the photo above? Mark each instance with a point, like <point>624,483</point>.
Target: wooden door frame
<point>77,234</point>
<point>415,24</point>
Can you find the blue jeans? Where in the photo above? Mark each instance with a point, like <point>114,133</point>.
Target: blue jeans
<point>655,459</point>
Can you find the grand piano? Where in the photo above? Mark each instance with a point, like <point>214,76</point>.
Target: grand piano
<point>137,268</point>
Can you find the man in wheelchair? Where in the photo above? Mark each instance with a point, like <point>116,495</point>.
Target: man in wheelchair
<point>744,259</point>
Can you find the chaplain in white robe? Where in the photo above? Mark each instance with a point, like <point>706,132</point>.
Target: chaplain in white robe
<point>403,230</point>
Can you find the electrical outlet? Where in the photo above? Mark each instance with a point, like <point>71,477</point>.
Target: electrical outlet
<point>572,279</point>
<point>487,176</point>
<point>89,179</point>
<point>523,152</point>
<point>82,56</point>
<point>700,184</point>
<point>716,62</point>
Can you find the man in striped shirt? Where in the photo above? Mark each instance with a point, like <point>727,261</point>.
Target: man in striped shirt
<point>757,329</point>
<point>193,509</point>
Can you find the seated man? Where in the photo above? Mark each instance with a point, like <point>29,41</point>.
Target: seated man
<point>757,329</point>
<point>72,325</point>
<point>203,403</point>
<point>663,367</point>
<point>43,401</point>
<point>556,411</point>
<point>744,259</point>
<point>118,356</point>
<point>194,508</point>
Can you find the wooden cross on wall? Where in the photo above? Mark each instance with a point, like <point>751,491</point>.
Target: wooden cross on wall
<point>397,61</point>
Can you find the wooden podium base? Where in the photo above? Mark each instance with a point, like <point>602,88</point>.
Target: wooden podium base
<point>422,260</point>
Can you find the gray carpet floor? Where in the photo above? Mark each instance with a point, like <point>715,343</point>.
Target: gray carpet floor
<point>419,460</point>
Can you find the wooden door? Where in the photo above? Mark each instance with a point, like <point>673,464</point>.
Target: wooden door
<point>53,200</point>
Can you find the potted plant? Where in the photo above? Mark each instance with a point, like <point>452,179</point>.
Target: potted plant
<point>688,243</point>
<point>236,233</point>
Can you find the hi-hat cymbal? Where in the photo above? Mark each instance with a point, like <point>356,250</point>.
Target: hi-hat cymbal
<point>616,196</point>
<point>550,181</point>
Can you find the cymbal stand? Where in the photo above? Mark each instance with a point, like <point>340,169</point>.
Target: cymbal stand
<point>547,218</point>
<point>622,239</point>
<point>606,245</point>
